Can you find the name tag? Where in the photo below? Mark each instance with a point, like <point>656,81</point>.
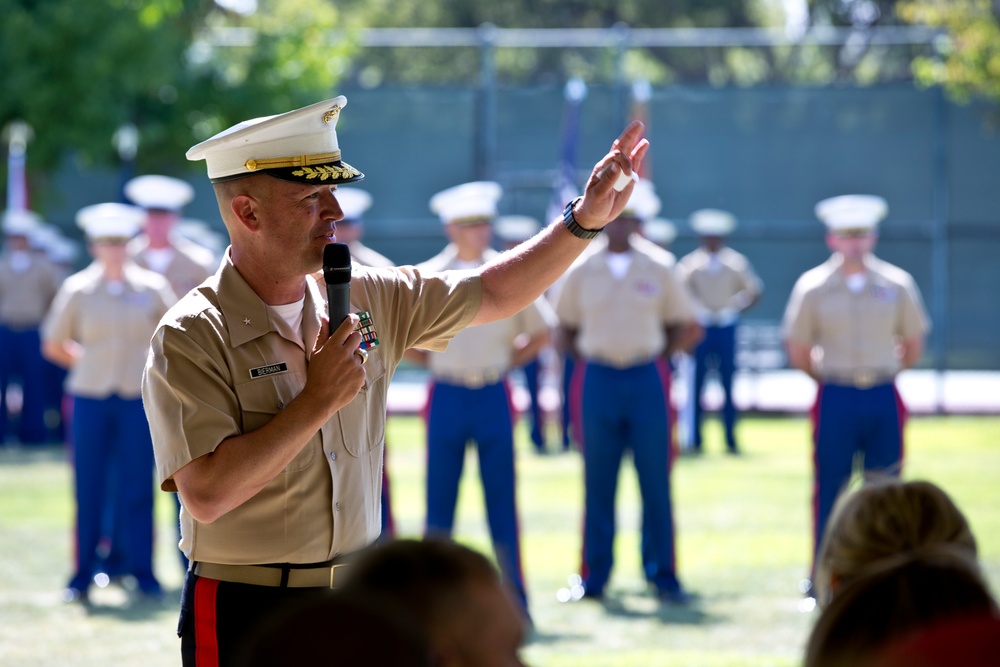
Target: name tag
<point>273,369</point>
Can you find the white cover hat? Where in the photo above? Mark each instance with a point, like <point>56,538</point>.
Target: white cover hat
<point>353,202</point>
<point>159,192</point>
<point>19,222</point>
<point>110,220</point>
<point>299,145</point>
<point>659,230</point>
<point>516,227</point>
<point>467,203</point>
<point>712,222</point>
<point>643,204</point>
<point>852,212</point>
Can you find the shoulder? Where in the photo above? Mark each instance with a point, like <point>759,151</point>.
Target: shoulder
<point>654,252</point>
<point>891,273</point>
<point>200,255</point>
<point>815,278</point>
<point>141,277</point>
<point>734,259</point>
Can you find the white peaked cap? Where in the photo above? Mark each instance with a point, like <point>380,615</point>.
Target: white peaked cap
<point>712,222</point>
<point>353,202</point>
<point>643,204</point>
<point>659,230</point>
<point>852,212</point>
<point>110,220</point>
<point>299,145</point>
<point>516,227</point>
<point>469,202</point>
<point>159,192</point>
<point>19,222</point>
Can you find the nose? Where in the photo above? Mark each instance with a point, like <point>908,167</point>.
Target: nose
<point>331,207</point>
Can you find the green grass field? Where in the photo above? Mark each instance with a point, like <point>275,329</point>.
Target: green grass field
<point>743,545</point>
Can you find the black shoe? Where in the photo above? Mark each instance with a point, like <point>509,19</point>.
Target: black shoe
<point>676,596</point>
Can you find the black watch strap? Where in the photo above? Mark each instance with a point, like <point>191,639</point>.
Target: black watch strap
<point>573,226</point>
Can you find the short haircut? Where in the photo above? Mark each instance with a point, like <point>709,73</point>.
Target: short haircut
<point>429,580</point>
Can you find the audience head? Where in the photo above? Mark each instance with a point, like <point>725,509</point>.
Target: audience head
<point>881,519</point>
<point>335,628</point>
<point>451,593</point>
<point>894,598</point>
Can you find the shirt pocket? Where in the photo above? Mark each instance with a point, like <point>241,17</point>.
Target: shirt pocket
<point>264,397</point>
<point>362,421</point>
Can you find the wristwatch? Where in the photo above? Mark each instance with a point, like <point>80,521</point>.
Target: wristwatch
<point>573,226</point>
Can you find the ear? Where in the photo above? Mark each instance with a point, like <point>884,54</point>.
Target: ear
<point>244,209</point>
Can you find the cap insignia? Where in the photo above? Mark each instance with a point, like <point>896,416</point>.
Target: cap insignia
<point>327,171</point>
<point>331,114</point>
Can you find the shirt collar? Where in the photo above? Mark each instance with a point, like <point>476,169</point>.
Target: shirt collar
<point>247,313</point>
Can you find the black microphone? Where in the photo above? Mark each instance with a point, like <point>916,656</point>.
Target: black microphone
<point>337,272</point>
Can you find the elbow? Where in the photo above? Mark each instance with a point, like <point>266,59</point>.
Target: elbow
<point>200,501</point>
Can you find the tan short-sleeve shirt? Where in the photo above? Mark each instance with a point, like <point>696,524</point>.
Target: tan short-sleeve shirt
<point>219,367</point>
<point>727,282</point>
<point>189,267</point>
<point>485,350</point>
<point>621,322</point>
<point>25,295</point>
<point>111,323</point>
<point>855,331</point>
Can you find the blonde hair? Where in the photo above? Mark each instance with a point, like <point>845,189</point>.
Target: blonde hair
<point>884,518</point>
<point>895,597</point>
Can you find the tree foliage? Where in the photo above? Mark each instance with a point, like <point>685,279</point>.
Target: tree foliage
<point>77,71</point>
<point>968,61</point>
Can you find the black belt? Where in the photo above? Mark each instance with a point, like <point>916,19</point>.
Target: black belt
<point>327,574</point>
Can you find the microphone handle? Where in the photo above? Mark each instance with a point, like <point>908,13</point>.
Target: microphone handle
<point>339,298</point>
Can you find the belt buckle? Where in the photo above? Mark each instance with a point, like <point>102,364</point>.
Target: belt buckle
<point>864,379</point>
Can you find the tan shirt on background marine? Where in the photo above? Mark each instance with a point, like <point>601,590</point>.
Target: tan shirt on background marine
<point>728,283</point>
<point>856,331</point>
<point>190,265</point>
<point>230,355</point>
<point>25,295</point>
<point>112,327</point>
<point>621,322</point>
<point>484,351</point>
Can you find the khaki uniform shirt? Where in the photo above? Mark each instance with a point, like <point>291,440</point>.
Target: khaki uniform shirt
<point>25,295</point>
<point>729,283</point>
<point>855,331</point>
<point>621,322</point>
<point>482,354</point>
<point>112,328</point>
<point>220,366</point>
<point>365,256</point>
<point>190,266</point>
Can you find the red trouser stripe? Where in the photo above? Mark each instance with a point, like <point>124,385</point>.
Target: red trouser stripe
<point>206,641</point>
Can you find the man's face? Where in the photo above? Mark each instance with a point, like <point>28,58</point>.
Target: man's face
<point>296,222</point>
<point>158,226</point>
<point>620,229</point>
<point>472,238</point>
<point>853,246</point>
<point>492,631</point>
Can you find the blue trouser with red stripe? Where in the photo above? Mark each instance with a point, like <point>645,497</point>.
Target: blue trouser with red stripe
<point>21,358</point>
<point>849,422</point>
<point>532,372</point>
<point>626,410</point>
<point>455,416</point>
<point>717,349</point>
<point>105,430</point>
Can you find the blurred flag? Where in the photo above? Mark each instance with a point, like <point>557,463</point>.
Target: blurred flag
<point>18,134</point>
<point>565,187</point>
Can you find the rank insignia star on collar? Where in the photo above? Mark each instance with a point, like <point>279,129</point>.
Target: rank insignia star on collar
<point>246,321</point>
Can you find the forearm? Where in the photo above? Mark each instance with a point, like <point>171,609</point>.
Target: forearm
<point>800,357</point>
<point>530,349</point>
<point>63,354</point>
<point>910,352</point>
<point>514,279</point>
<point>683,337</point>
<point>240,466</point>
